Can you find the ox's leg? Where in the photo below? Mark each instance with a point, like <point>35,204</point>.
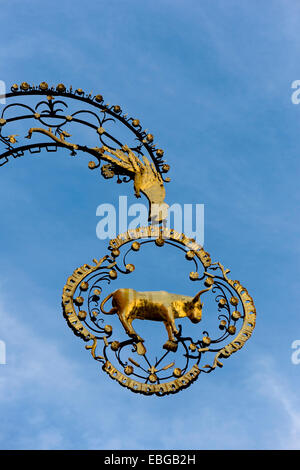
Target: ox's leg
<point>174,329</point>
<point>169,331</point>
<point>140,348</point>
<point>133,333</point>
<point>171,344</point>
<point>171,322</point>
<point>126,321</point>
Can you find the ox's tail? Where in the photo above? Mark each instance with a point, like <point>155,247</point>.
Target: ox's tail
<point>197,296</point>
<point>112,310</point>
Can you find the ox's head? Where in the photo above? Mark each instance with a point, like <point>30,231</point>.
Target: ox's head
<point>195,306</point>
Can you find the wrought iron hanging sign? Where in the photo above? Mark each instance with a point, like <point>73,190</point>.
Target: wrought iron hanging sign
<point>89,300</point>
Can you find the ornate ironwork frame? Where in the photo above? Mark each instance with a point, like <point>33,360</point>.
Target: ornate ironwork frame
<point>53,109</point>
<point>148,173</point>
<point>228,294</point>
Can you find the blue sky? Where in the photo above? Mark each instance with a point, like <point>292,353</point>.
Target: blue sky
<point>212,81</point>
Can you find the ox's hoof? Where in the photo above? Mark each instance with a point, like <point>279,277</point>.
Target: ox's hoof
<point>136,337</point>
<point>139,339</point>
<point>140,349</point>
<point>170,346</point>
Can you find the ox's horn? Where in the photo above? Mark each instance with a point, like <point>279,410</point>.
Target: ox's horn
<point>197,296</point>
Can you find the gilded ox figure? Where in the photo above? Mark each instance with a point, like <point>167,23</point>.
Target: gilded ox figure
<point>130,305</point>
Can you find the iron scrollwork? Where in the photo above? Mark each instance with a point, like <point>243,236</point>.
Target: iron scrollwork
<point>127,360</point>
<point>56,116</point>
<point>52,112</point>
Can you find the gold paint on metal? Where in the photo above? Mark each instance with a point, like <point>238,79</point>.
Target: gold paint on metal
<point>24,86</point>
<point>113,274</point>
<point>209,281</point>
<point>115,253</point>
<point>136,246</point>
<point>248,323</point>
<point>84,286</point>
<point>61,88</point>
<point>82,315</point>
<point>234,301</point>
<point>177,372</point>
<point>92,165</point>
<point>68,298</point>
<point>194,276</point>
<point>236,315</point>
<point>164,233</point>
<point>134,362</point>
<point>108,329</point>
<point>152,312</point>
<point>49,133</point>
<point>128,370</point>
<point>153,378</point>
<point>159,242</point>
<point>232,330</point>
<point>147,179</point>
<point>206,340</point>
<point>79,300</point>
<point>117,109</point>
<point>130,268</point>
<point>150,389</point>
<point>12,138</point>
<point>43,86</point>
<point>202,350</point>
<point>161,306</point>
<point>190,255</point>
<point>149,137</point>
<point>93,350</point>
<point>115,345</point>
<point>140,348</point>
<point>169,366</point>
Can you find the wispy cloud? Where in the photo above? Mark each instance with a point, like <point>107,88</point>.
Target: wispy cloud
<point>212,81</point>
<point>66,405</point>
<point>275,387</point>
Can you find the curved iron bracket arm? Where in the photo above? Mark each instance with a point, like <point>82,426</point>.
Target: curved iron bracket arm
<point>139,160</point>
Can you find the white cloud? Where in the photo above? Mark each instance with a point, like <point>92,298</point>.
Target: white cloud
<point>50,400</point>
<point>46,397</point>
<point>277,389</point>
